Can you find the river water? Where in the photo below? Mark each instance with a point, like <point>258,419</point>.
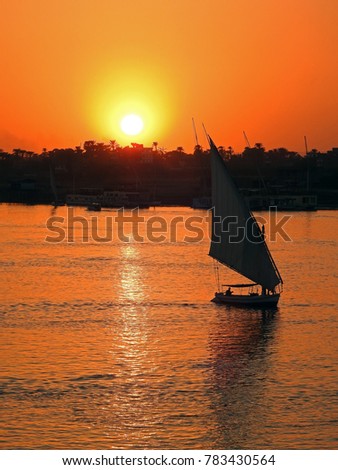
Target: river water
<point>115,345</point>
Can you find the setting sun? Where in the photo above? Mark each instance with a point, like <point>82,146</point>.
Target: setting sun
<point>131,124</point>
<point>126,69</point>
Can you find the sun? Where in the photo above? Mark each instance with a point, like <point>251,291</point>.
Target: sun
<point>131,124</point>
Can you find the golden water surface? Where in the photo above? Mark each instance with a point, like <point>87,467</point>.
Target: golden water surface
<point>117,345</point>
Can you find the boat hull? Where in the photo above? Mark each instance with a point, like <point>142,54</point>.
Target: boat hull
<point>247,300</point>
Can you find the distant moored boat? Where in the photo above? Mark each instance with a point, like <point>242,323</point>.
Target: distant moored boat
<point>94,206</point>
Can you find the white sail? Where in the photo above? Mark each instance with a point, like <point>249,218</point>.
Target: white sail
<point>237,241</point>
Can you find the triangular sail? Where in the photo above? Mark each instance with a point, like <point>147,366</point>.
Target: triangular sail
<point>237,240</point>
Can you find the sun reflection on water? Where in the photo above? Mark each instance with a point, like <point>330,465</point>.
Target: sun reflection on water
<point>132,287</point>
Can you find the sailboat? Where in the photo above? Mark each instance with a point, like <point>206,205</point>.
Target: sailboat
<point>239,243</point>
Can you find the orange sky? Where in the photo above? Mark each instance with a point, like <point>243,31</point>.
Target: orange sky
<point>70,70</point>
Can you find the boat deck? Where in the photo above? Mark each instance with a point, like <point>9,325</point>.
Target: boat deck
<point>247,300</point>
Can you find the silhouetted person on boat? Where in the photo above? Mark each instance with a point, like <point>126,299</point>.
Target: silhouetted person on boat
<point>228,291</point>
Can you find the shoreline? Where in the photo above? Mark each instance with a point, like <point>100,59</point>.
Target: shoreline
<point>150,206</point>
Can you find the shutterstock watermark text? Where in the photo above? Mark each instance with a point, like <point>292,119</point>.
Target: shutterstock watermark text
<point>139,226</point>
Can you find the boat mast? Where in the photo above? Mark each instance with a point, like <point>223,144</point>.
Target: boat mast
<point>246,139</point>
<point>195,132</point>
<point>260,176</point>
<point>307,169</point>
<point>305,142</point>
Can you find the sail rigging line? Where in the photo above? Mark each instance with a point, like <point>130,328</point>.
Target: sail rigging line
<point>228,266</point>
<point>206,134</point>
<point>216,274</point>
<point>274,264</point>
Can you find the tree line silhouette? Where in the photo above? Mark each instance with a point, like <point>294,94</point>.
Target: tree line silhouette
<point>172,177</point>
